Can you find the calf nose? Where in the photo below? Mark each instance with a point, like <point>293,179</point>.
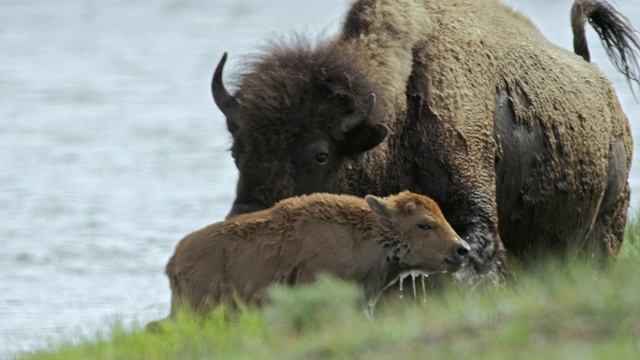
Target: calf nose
<point>461,251</point>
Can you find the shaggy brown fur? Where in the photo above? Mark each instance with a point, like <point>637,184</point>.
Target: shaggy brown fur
<point>521,141</point>
<point>370,242</point>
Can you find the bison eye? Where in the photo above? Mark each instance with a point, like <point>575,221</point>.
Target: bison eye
<point>321,158</point>
<point>424,226</point>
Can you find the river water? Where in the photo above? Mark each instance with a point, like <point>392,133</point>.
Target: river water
<point>111,149</point>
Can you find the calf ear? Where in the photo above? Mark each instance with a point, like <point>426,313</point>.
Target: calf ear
<point>364,137</point>
<point>378,206</point>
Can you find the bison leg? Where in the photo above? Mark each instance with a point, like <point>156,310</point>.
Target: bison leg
<point>605,239</point>
<point>607,233</point>
<point>487,259</point>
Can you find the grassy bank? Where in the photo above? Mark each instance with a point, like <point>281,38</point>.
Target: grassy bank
<point>553,312</point>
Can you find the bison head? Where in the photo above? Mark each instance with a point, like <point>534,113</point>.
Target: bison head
<point>297,118</point>
<point>428,243</point>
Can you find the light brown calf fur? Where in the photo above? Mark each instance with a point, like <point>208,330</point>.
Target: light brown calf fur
<point>369,241</point>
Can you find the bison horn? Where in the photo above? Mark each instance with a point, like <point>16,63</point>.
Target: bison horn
<point>355,119</point>
<point>225,102</point>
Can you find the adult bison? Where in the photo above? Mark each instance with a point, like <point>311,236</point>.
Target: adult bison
<point>521,143</point>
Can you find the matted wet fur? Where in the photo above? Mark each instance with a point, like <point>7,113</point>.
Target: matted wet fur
<point>523,144</point>
<point>368,241</point>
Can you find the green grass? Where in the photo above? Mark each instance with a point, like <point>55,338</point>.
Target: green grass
<point>631,245</point>
<point>555,311</point>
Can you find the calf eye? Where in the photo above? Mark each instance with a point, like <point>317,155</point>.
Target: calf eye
<point>321,158</point>
<point>424,226</point>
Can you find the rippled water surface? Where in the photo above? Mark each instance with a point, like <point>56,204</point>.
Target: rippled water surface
<point>111,149</point>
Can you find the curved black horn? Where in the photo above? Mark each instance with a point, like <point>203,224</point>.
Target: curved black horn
<point>358,116</point>
<point>225,102</point>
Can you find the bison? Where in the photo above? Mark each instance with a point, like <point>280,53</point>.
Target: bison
<point>371,241</point>
<point>523,144</point>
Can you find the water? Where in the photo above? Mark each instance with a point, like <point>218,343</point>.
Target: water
<point>424,288</point>
<point>111,149</point>
<point>413,282</point>
<point>414,275</point>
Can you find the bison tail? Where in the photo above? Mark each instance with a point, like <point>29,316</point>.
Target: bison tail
<point>619,38</point>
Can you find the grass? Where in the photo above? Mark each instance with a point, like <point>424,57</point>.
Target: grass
<point>552,312</point>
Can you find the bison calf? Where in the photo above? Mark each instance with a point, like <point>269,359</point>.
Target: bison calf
<point>370,241</point>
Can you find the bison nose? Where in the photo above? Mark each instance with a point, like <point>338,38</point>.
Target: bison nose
<point>243,208</point>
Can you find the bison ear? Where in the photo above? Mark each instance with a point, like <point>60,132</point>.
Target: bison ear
<point>378,206</point>
<point>364,137</point>
<point>360,133</point>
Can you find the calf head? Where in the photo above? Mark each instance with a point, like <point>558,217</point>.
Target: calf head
<point>426,242</point>
<point>298,117</point>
